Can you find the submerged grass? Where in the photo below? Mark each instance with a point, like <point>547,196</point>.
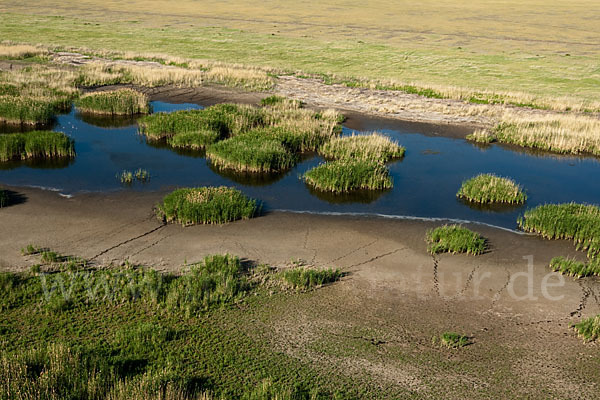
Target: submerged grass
<point>588,329</point>
<point>35,144</point>
<point>455,239</point>
<point>374,147</point>
<point>206,205</point>
<point>577,222</point>
<point>489,188</point>
<point>578,269</point>
<point>114,102</point>
<point>348,175</point>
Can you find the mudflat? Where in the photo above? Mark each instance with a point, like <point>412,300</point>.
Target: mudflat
<point>395,293</point>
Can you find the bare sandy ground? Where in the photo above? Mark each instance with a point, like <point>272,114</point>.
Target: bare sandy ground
<point>517,312</point>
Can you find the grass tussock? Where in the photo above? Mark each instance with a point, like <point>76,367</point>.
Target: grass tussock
<point>20,51</point>
<point>206,205</point>
<point>482,136</point>
<point>374,147</point>
<point>303,278</point>
<point>572,221</point>
<point>114,102</point>
<point>347,175</point>
<point>455,239</point>
<point>489,188</point>
<point>35,145</point>
<point>251,152</point>
<point>588,329</point>
<point>577,269</point>
<point>453,340</point>
<point>128,177</point>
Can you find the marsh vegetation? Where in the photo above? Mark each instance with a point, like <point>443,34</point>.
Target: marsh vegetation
<point>455,239</point>
<point>453,340</point>
<point>348,175</point>
<point>589,328</point>
<point>577,269</point>
<point>374,148</point>
<point>206,205</point>
<point>490,188</point>
<point>123,102</point>
<point>35,145</point>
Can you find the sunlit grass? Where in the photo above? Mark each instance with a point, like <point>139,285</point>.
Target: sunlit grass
<point>374,147</point>
<point>588,329</point>
<point>114,102</point>
<point>489,188</point>
<point>346,176</point>
<point>35,145</point>
<point>455,239</point>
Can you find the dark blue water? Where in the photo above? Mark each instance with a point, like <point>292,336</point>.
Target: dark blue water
<point>425,181</point>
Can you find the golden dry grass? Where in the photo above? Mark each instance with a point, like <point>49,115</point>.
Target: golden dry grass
<point>16,51</point>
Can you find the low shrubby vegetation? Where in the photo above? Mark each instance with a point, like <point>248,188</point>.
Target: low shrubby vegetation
<point>489,188</point>
<point>114,102</point>
<point>304,278</point>
<point>577,222</point>
<point>588,329</point>
<point>453,340</point>
<point>35,145</point>
<point>348,175</point>
<point>578,269</point>
<point>206,205</point>
<point>455,239</point>
<point>374,147</point>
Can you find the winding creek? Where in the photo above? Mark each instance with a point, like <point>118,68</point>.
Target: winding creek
<point>425,181</point>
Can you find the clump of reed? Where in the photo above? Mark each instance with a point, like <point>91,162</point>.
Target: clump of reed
<point>303,278</point>
<point>35,144</point>
<point>374,147</point>
<point>589,328</point>
<point>489,188</point>
<point>348,175</point>
<point>577,222</point>
<point>114,102</point>
<point>453,340</point>
<point>206,205</point>
<point>455,239</point>
<point>251,152</point>
<point>482,136</point>
<point>577,269</point>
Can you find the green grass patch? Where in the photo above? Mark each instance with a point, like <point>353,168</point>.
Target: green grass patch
<point>35,145</point>
<point>455,239</point>
<point>128,177</point>
<point>578,269</point>
<point>453,340</point>
<point>26,111</point>
<point>206,205</point>
<point>347,175</point>
<point>588,329</point>
<point>251,152</point>
<point>577,222</point>
<point>489,188</point>
<point>374,147</point>
<point>303,278</point>
<point>114,102</point>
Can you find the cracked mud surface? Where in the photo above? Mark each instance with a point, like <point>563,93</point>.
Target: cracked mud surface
<point>377,324</point>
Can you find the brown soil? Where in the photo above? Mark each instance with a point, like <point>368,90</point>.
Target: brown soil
<point>395,298</point>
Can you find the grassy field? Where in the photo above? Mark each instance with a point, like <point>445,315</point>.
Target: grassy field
<point>488,45</point>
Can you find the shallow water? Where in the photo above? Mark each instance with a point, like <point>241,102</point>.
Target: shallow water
<point>425,181</point>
